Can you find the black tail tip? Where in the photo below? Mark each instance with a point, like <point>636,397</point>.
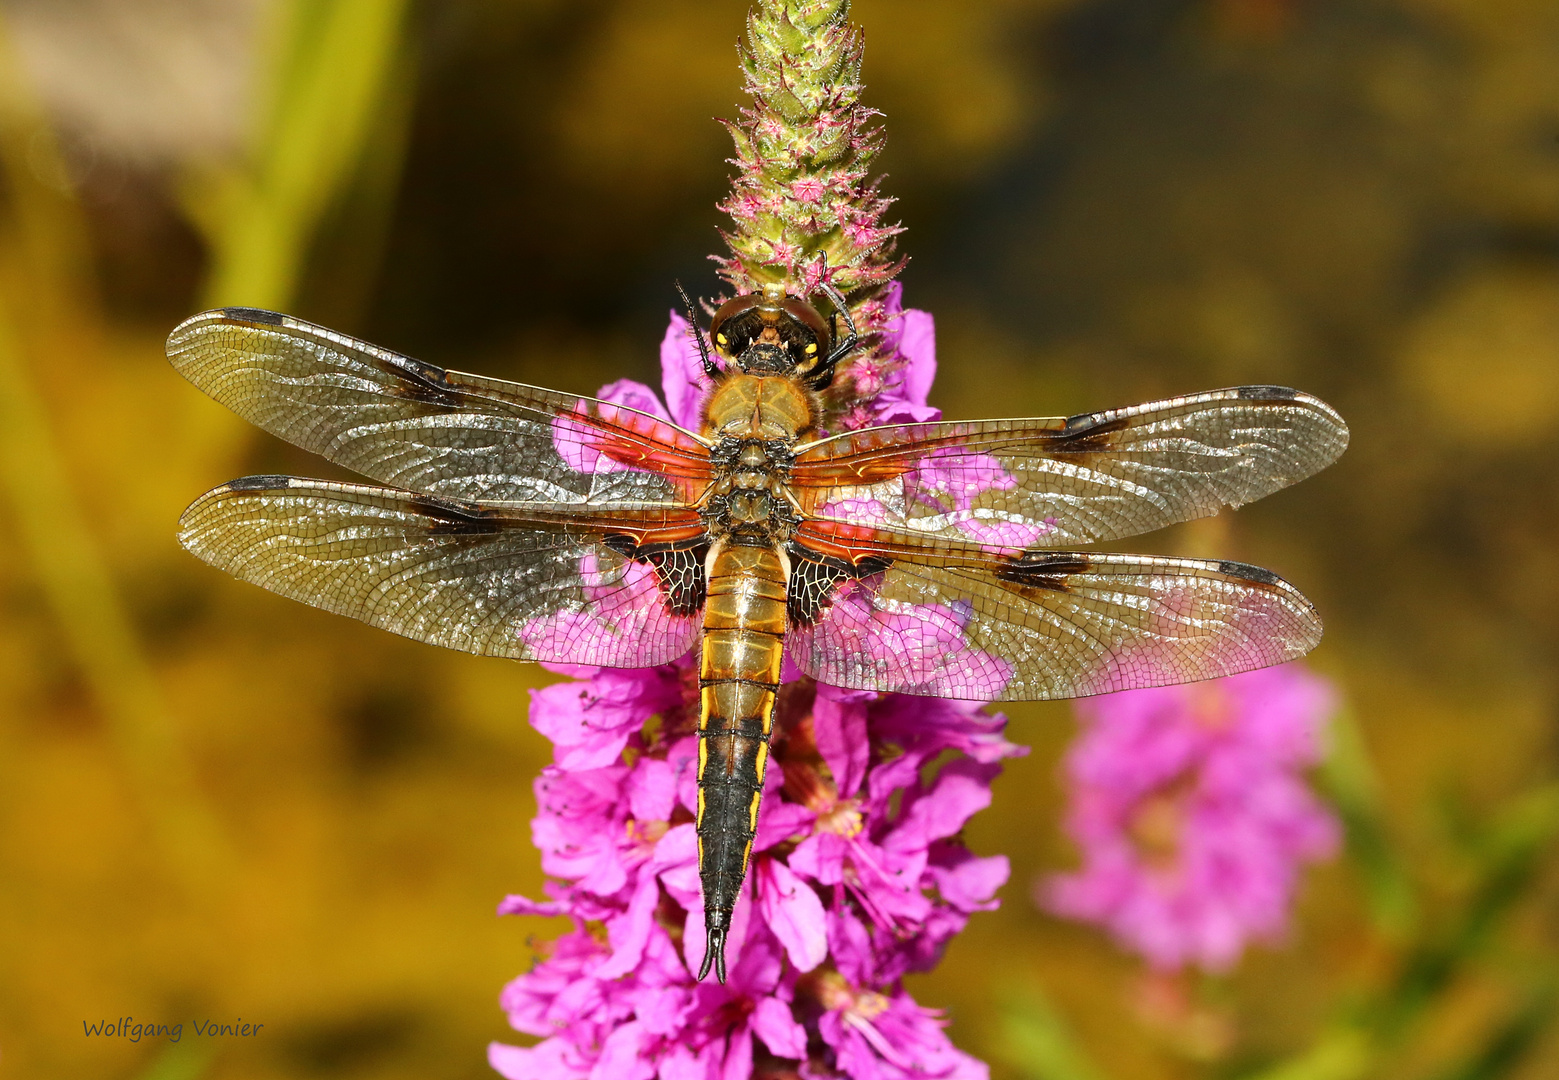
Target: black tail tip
<point>714,953</point>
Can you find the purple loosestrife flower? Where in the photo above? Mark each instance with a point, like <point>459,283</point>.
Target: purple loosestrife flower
<point>1192,814</point>
<point>850,888</point>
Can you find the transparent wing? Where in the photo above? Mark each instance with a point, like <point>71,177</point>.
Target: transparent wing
<point>1017,484</point>
<point>948,620</point>
<point>498,580</point>
<point>402,422</point>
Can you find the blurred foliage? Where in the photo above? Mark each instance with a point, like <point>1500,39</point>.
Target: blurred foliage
<point>216,803</point>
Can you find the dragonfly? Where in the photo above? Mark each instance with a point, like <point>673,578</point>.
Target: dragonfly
<point>935,558</point>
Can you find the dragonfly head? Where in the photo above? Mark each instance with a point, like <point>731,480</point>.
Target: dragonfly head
<point>770,333</point>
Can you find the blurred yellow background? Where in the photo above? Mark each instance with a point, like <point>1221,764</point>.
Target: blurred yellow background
<point>216,803</point>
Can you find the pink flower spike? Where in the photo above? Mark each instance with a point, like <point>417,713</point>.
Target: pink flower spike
<point>856,876</point>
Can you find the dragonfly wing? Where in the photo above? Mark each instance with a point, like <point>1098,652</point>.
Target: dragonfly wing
<point>954,620</point>
<point>511,580</point>
<point>412,425</point>
<point>1056,482</point>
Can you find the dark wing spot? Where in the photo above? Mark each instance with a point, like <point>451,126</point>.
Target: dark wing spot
<point>259,483</point>
<point>454,519</point>
<point>1085,432</point>
<point>418,381</point>
<point>1249,573</point>
<point>1043,569</point>
<point>679,569</point>
<point>868,565</point>
<point>814,577</point>
<point>624,545</point>
<point>254,315</point>
<point>1267,393</point>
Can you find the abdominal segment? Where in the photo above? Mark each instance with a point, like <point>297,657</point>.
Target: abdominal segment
<point>744,631</point>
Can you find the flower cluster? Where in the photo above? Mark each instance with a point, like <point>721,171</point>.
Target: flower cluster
<point>804,208</point>
<point>1192,814</point>
<point>804,149</point>
<point>857,877</point>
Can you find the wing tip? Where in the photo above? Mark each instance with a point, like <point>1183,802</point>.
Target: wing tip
<point>179,341</point>
<point>253,316</point>
<point>1288,395</point>
<point>1298,604</point>
<point>188,524</point>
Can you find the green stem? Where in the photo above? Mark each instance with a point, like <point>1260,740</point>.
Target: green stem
<point>328,67</point>
<point>66,558</point>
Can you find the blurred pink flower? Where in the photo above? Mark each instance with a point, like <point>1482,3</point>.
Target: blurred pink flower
<point>1192,814</point>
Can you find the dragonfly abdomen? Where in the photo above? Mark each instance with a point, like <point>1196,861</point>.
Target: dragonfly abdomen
<point>744,633</point>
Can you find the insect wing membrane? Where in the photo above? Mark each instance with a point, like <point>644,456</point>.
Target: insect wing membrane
<point>416,426</point>
<point>497,580</point>
<point>1056,482</point>
<point>956,621</point>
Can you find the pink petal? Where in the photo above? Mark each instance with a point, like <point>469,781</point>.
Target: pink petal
<point>685,1063</point>
<point>917,344</point>
<point>839,721</point>
<point>820,857</point>
<point>676,864</point>
<point>961,790</point>
<point>623,1057</point>
<point>780,821</point>
<point>971,885</point>
<point>738,1055</point>
<point>774,1023</point>
<point>793,912</point>
<point>514,904</point>
<point>652,790</point>
<point>682,373</point>
<point>635,395</point>
<point>629,931</point>
<point>549,1060</point>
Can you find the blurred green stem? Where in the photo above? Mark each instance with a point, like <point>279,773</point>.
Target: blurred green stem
<point>1513,850</point>
<point>1358,1045</point>
<point>190,1059</point>
<point>1348,778</point>
<point>1039,1045</point>
<point>327,66</point>
<point>44,283</point>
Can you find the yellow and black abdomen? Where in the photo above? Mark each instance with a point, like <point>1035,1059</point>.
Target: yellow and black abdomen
<point>744,633</point>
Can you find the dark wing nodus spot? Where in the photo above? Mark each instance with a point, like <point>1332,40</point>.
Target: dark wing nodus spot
<point>455,519</point>
<point>679,569</point>
<point>814,576</point>
<point>1043,569</point>
<point>1085,432</point>
<point>254,315</point>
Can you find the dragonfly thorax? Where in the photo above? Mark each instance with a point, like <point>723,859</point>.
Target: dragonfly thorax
<point>748,500</point>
